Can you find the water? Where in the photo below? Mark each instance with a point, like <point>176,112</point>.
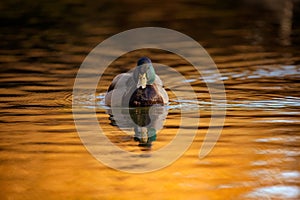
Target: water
<point>255,48</point>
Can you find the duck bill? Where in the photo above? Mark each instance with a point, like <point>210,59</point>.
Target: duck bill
<point>142,82</point>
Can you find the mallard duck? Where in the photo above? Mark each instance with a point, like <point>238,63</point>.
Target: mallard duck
<point>139,87</point>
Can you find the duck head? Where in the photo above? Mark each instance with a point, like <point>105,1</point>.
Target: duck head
<point>144,73</point>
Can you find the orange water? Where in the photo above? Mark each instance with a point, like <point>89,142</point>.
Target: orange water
<point>257,155</point>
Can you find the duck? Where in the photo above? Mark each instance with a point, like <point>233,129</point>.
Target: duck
<point>140,87</point>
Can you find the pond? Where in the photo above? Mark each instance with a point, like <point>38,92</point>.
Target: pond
<point>254,44</point>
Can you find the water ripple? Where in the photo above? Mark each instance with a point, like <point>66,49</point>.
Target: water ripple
<point>276,191</point>
<point>188,104</point>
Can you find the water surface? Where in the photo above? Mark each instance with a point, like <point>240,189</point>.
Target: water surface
<point>255,49</point>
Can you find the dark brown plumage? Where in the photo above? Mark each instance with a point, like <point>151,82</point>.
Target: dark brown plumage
<point>145,97</point>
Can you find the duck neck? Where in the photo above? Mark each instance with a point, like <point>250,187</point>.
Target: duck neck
<point>150,75</point>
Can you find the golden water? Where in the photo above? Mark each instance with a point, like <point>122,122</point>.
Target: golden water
<point>256,157</point>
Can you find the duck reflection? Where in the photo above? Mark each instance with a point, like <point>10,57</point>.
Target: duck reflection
<point>145,122</point>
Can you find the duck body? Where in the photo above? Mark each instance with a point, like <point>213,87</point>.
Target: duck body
<point>140,87</point>
<point>148,96</point>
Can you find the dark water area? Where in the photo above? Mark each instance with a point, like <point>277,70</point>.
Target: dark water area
<point>256,47</point>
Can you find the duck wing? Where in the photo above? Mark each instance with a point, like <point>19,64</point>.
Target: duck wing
<point>160,88</point>
<point>120,86</point>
